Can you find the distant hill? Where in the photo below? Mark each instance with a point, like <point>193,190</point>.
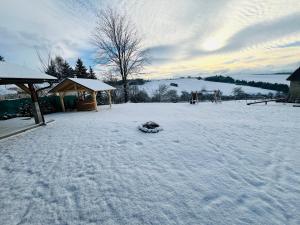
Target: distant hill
<point>279,78</point>
<point>193,84</point>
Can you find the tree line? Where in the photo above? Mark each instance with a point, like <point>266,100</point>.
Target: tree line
<point>60,68</point>
<point>259,84</point>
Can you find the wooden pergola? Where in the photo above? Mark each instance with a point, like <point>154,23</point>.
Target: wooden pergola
<point>25,79</point>
<point>80,85</point>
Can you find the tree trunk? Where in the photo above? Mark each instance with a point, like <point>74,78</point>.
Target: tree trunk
<point>126,97</point>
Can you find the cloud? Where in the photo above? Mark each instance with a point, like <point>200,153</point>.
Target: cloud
<point>293,44</point>
<point>263,32</point>
<point>182,36</point>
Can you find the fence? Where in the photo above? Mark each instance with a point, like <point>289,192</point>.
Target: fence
<point>49,104</point>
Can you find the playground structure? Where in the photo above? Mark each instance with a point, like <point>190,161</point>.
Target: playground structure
<point>217,98</point>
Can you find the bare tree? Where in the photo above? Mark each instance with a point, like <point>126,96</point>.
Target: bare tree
<point>44,61</point>
<point>118,45</point>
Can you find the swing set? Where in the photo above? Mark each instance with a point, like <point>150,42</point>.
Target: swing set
<point>217,98</point>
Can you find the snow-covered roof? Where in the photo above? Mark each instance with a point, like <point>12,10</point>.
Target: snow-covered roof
<point>95,85</point>
<point>13,71</point>
<point>91,84</point>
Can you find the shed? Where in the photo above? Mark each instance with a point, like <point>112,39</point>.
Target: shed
<point>24,78</point>
<point>81,85</point>
<point>294,93</point>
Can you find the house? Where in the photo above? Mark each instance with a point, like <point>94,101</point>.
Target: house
<point>294,93</point>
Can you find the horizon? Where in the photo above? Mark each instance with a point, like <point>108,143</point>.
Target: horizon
<point>184,38</point>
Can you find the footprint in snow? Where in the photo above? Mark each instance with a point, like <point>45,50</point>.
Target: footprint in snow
<point>139,143</point>
<point>210,197</point>
<point>9,158</point>
<point>122,142</point>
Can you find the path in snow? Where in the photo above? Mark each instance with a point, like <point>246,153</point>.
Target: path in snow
<point>213,164</point>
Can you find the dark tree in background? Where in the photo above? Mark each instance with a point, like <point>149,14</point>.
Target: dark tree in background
<point>80,70</point>
<point>118,45</point>
<point>50,69</point>
<point>67,70</point>
<point>238,93</point>
<point>1,59</point>
<point>60,68</point>
<point>92,74</point>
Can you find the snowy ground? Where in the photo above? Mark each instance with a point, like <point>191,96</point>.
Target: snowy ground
<point>193,84</point>
<point>213,164</point>
<point>15,124</point>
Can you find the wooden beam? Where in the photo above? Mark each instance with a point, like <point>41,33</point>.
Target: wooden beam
<point>109,97</point>
<point>61,97</point>
<point>23,87</point>
<point>263,101</point>
<point>75,88</point>
<point>94,93</point>
<point>38,115</point>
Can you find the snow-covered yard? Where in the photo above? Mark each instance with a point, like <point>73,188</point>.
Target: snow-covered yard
<point>212,164</point>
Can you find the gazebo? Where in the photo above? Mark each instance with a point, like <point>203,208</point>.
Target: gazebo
<point>80,86</point>
<point>24,78</point>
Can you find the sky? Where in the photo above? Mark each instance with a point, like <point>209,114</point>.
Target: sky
<point>183,37</point>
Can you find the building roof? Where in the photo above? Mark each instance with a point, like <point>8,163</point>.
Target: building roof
<point>295,76</point>
<point>12,73</point>
<point>68,84</point>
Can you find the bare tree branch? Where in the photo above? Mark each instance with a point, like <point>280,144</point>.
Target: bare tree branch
<point>118,45</point>
<point>45,62</point>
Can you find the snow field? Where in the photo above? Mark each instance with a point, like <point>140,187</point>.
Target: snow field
<point>212,164</point>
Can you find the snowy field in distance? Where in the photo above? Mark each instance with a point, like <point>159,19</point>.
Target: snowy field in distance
<point>270,78</point>
<point>192,84</point>
<point>212,164</point>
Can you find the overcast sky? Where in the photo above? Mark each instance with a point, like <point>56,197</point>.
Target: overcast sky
<point>184,37</point>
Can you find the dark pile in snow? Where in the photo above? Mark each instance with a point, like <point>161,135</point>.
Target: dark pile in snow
<point>150,127</point>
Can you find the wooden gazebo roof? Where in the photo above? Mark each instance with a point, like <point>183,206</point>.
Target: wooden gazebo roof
<point>295,76</point>
<point>80,84</point>
<point>22,76</point>
<point>16,74</point>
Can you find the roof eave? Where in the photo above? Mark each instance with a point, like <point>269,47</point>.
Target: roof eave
<point>24,81</point>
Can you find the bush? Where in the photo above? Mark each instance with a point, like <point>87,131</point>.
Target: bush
<point>140,96</point>
<point>160,93</point>
<point>171,96</point>
<point>239,93</point>
<point>185,96</point>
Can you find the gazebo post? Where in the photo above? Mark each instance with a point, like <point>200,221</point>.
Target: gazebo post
<point>95,100</point>
<point>109,97</point>
<point>61,97</point>
<point>38,116</point>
